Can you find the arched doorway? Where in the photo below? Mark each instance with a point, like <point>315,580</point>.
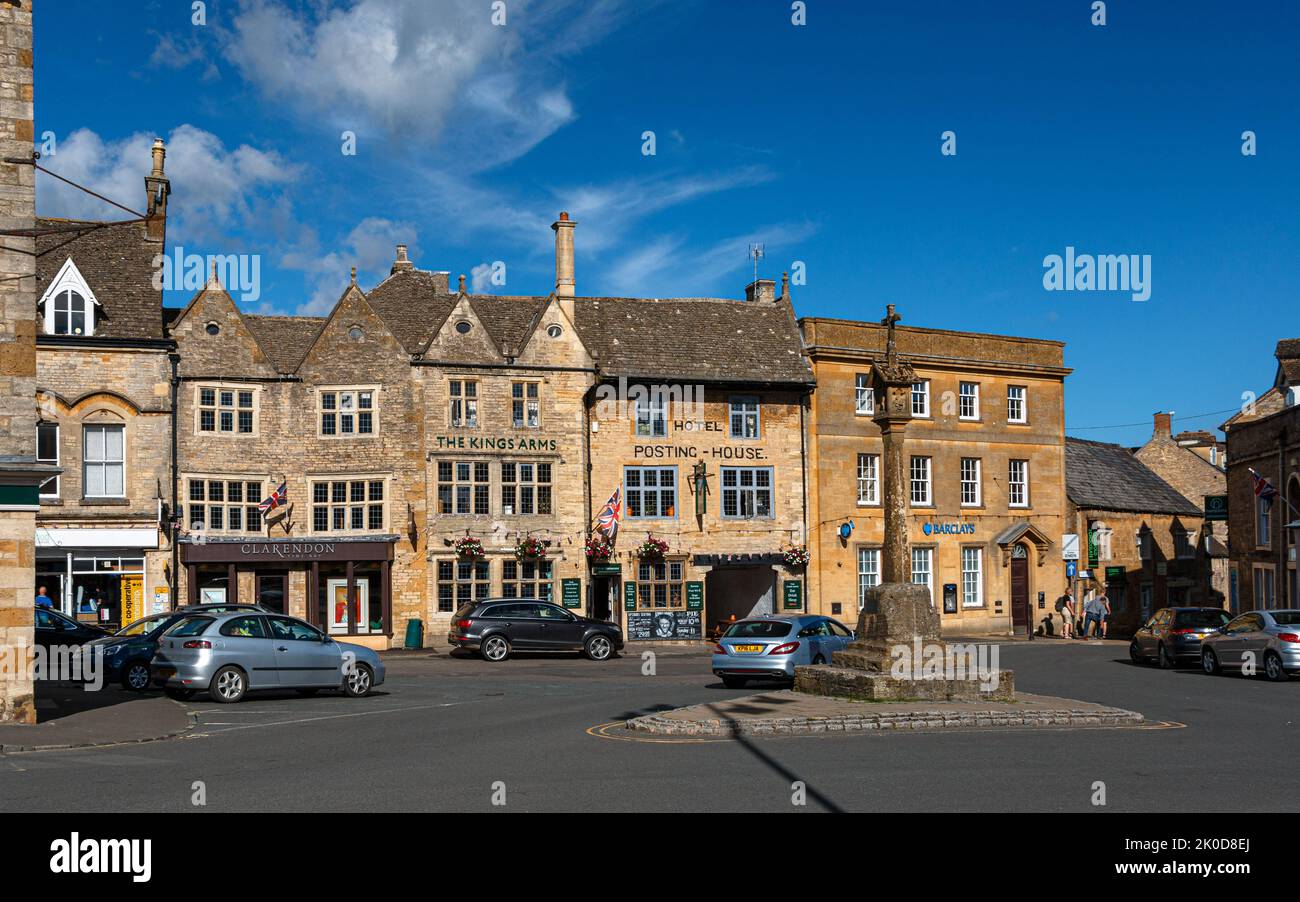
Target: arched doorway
<point>1020,612</point>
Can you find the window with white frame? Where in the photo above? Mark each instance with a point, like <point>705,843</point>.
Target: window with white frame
<point>68,303</point>
<point>864,396</point>
<point>868,573</point>
<point>353,504</point>
<point>463,403</point>
<point>652,415</point>
<point>525,488</point>
<point>463,487</point>
<point>223,504</point>
<point>972,577</point>
<point>921,398</point>
<point>923,570</point>
<point>104,461</point>
<point>1263,521</point>
<point>968,401</point>
<point>347,412</point>
<point>225,410</point>
<point>746,493</point>
<point>971,488</point>
<point>1018,483</point>
<point>1016,412</point>
<point>650,491</point>
<point>525,408</point>
<point>526,579</point>
<point>47,452</point>
<point>920,479</point>
<point>744,417</point>
<point>868,479</point>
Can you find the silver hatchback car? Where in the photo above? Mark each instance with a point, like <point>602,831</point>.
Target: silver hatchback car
<point>229,655</point>
<point>769,648</point>
<point>1268,640</point>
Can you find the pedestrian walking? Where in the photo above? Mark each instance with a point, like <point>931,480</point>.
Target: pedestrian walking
<point>1065,607</point>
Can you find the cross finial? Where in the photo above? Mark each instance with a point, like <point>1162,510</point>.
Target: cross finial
<point>891,352</point>
<point>461,282</point>
<point>354,275</point>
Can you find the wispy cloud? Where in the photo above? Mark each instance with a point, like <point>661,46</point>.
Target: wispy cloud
<point>370,247</point>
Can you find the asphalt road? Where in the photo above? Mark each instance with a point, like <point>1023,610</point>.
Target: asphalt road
<point>447,734</point>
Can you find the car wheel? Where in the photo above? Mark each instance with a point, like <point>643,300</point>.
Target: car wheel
<point>179,695</point>
<point>358,682</point>
<point>819,660</point>
<point>599,648</point>
<point>228,685</point>
<point>1135,653</point>
<point>307,692</point>
<point>495,649</point>
<point>1164,657</point>
<point>733,682</point>
<point>1209,661</point>
<point>1273,668</point>
<point>135,676</point>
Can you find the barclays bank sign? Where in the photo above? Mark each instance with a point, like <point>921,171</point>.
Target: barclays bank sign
<point>948,529</point>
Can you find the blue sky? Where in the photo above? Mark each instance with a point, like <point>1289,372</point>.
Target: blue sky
<point>821,141</point>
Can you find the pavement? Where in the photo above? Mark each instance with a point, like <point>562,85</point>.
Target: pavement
<point>544,733</point>
<point>68,716</point>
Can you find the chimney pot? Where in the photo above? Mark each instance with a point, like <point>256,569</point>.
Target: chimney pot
<point>402,263</point>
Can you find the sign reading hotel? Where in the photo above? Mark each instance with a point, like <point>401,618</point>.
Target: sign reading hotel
<point>493,443</point>
<point>690,452</point>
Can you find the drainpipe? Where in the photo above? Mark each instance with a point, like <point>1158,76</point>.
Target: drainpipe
<point>175,580</point>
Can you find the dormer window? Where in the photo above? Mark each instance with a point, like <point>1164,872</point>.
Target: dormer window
<point>68,305</point>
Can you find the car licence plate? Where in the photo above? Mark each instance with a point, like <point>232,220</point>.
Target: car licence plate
<point>748,649</point>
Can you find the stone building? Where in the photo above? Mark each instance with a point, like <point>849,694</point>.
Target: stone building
<point>1141,535</point>
<point>20,475</point>
<point>1264,533</point>
<point>1187,462</point>
<point>104,393</point>
<point>986,472</point>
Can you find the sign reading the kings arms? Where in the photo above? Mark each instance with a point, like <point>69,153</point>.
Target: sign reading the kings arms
<point>494,443</point>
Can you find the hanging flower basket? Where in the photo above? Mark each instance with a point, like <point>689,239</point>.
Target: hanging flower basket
<point>468,548</point>
<point>652,549</point>
<point>796,558</point>
<point>530,547</point>
<point>599,549</point>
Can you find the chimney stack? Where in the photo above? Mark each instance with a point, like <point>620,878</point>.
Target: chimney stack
<point>564,255</point>
<point>1163,421</point>
<point>402,263</point>
<point>157,189</point>
<point>763,291</point>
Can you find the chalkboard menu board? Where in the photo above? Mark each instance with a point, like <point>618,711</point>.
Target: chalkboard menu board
<point>663,625</point>
<point>571,592</point>
<point>629,596</point>
<point>792,595</point>
<point>695,596</point>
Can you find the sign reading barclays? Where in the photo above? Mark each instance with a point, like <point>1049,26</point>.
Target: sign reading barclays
<point>948,529</point>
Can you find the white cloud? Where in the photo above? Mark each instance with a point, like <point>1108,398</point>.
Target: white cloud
<point>218,190</point>
<point>371,247</point>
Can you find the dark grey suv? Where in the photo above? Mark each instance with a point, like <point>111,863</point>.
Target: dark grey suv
<point>495,627</point>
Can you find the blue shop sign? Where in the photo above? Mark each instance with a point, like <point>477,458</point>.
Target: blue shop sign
<point>948,529</point>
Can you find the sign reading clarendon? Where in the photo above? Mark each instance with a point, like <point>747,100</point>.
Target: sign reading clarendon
<point>494,443</point>
<point>287,550</point>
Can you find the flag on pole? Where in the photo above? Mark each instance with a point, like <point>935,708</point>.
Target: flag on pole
<point>278,498</point>
<point>1263,488</point>
<point>607,519</point>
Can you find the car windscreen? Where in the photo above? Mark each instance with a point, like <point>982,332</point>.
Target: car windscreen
<point>190,626</point>
<point>758,629</point>
<point>1200,619</point>
<point>1287,618</point>
<point>145,627</point>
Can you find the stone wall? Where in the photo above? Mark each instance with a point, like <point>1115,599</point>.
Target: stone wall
<point>1269,444</point>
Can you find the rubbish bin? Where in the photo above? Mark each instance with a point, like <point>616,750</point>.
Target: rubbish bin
<point>415,633</point>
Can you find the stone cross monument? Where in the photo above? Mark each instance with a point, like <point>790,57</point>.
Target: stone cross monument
<point>892,382</point>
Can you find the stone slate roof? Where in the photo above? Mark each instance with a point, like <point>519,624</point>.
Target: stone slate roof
<point>707,339</point>
<point>509,320</point>
<point>285,339</point>
<point>414,303</point>
<point>116,260</point>
<point>1288,361</point>
<point>1101,476</point>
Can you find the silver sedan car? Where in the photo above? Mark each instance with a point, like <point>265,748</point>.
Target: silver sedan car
<point>769,648</point>
<point>1266,642</point>
<point>229,655</point>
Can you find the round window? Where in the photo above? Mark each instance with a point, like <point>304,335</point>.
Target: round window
<point>554,331</point>
<point>355,333</point>
<point>463,326</point>
<point>213,329</point>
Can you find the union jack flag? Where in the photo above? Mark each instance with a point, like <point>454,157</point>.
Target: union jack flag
<point>607,519</point>
<point>278,498</point>
<point>1263,488</point>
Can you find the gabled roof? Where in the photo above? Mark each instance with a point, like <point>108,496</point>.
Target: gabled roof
<point>1288,362</point>
<point>414,303</point>
<point>509,320</point>
<point>285,339</point>
<point>116,260</point>
<point>1102,476</point>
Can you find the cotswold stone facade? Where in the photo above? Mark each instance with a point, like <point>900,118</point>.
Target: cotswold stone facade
<point>985,468</point>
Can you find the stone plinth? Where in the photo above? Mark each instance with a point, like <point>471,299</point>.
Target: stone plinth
<point>863,685</point>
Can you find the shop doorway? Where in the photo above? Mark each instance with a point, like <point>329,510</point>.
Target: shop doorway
<point>338,606</point>
<point>1019,586</point>
<point>604,598</point>
<point>735,593</point>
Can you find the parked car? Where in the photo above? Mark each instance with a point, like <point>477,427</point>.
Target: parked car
<point>230,655</point>
<point>1271,639</point>
<point>1174,634</point>
<point>52,628</point>
<point>770,648</point>
<point>496,627</point>
<point>129,652</point>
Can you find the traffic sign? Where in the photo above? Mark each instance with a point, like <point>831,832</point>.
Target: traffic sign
<point>1070,547</point>
<point>1071,568</point>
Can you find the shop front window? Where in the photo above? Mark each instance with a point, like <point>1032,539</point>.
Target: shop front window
<point>659,585</point>
<point>362,614</point>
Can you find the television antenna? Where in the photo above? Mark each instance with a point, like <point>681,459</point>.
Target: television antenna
<point>757,252</point>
